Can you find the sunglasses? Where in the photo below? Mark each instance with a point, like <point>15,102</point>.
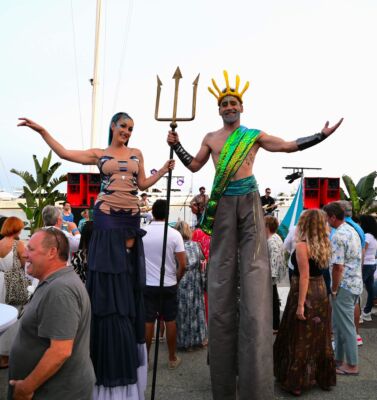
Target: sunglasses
<point>53,230</point>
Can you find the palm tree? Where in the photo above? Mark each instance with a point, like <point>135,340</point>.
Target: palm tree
<point>40,191</point>
<point>363,195</point>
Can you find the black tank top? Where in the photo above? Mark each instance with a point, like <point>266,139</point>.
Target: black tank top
<point>314,270</point>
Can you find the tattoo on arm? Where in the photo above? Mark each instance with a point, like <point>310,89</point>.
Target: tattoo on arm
<point>182,154</point>
<point>309,141</point>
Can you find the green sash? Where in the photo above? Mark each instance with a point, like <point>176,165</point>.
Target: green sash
<point>232,155</point>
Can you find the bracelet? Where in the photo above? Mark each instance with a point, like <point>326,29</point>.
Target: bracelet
<point>182,154</point>
<point>309,141</point>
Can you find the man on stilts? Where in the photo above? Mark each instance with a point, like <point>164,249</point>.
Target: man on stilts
<point>234,217</point>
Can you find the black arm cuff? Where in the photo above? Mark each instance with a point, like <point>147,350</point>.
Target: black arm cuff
<point>309,141</point>
<point>182,154</point>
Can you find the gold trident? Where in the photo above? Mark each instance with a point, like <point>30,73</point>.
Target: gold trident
<point>177,76</point>
<point>173,124</point>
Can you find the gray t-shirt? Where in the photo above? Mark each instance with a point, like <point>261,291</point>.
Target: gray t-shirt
<point>59,309</point>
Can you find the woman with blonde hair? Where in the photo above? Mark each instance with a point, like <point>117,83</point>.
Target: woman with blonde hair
<point>303,354</point>
<point>10,247</point>
<point>191,321</point>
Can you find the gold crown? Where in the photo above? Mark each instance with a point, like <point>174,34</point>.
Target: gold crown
<point>228,91</point>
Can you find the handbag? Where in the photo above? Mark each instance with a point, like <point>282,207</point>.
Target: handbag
<point>16,282</point>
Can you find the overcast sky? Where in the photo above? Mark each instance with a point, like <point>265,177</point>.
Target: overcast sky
<point>307,62</point>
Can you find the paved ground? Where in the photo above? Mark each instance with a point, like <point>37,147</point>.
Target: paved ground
<point>191,380</point>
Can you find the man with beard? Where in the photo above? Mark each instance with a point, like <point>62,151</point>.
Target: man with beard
<point>234,217</point>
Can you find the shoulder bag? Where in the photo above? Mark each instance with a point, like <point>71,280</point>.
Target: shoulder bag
<point>16,282</point>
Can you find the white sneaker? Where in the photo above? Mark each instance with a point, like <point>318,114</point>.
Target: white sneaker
<point>359,340</point>
<point>366,316</point>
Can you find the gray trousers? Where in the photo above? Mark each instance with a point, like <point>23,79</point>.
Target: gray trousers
<point>241,349</point>
<point>343,308</point>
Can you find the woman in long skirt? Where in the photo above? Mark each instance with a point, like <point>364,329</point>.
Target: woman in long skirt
<point>303,355</point>
<point>191,321</point>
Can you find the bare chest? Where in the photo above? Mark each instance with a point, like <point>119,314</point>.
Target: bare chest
<point>217,146</point>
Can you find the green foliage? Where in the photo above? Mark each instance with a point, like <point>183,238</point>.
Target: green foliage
<point>363,195</point>
<point>40,191</point>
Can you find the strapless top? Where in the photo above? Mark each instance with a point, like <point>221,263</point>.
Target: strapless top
<point>118,184</point>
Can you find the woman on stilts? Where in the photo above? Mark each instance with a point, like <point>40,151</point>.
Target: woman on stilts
<point>116,266</point>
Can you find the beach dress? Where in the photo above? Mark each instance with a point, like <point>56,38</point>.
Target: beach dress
<point>303,355</point>
<point>191,321</point>
<point>115,282</point>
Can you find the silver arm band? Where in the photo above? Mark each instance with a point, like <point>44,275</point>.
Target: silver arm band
<point>182,154</point>
<point>309,141</point>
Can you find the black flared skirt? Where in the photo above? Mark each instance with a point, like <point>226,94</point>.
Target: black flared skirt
<point>115,282</point>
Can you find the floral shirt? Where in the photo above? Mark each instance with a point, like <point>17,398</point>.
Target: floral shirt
<point>277,259</point>
<point>346,251</point>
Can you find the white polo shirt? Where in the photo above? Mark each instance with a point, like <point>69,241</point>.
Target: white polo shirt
<point>153,242</point>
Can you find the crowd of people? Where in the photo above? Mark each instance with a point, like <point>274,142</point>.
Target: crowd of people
<point>314,320</point>
<point>182,310</point>
<point>104,333</point>
<point>330,268</point>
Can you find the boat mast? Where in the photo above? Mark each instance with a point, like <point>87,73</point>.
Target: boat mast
<point>94,81</point>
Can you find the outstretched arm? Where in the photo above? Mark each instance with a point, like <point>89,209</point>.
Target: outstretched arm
<point>143,182</point>
<point>192,163</point>
<point>90,156</point>
<point>276,144</point>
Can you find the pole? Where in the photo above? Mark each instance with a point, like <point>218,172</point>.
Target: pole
<point>94,127</point>
<point>173,125</point>
<point>162,272</point>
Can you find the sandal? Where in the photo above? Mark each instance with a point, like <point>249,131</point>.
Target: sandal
<point>341,371</point>
<point>295,392</point>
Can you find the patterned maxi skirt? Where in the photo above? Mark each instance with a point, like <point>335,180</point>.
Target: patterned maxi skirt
<point>303,355</point>
<point>115,282</point>
<point>191,320</point>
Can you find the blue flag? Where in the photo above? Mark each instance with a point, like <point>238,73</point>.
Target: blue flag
<point>293,214</point>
